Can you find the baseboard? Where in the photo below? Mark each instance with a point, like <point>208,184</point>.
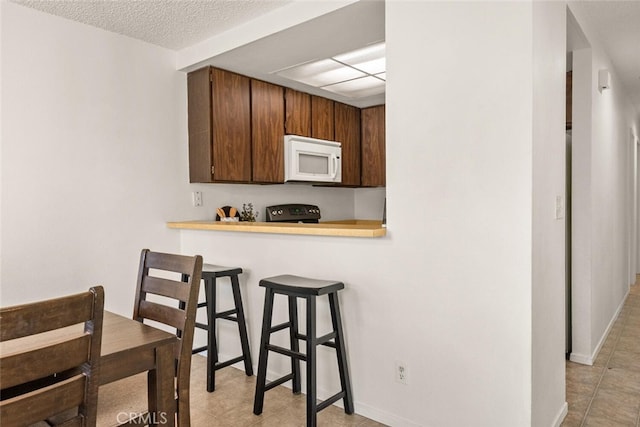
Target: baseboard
<point>561,415</point>
<point>590,359</point>
<point>362,409</point>
<point>583,359</point>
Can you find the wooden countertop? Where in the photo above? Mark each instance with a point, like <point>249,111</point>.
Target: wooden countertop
<point>345,228</point>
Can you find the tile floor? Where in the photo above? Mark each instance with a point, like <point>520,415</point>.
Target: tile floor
<point>607,394</point>
<point>230,405</point>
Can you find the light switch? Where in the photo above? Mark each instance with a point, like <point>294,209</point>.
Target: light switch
<point>559,207</point>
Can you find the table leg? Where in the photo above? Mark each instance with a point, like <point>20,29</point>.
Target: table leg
<point>161,391</point>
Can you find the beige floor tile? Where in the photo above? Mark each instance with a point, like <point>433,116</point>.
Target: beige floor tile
<point>615,405</point>
<point>624,359</point>
<point>609,390</point>
<point>629,343</point>
<point>573,419</point>
<point>230,405</point>
<point>605,422</point>
<point>621,380</point>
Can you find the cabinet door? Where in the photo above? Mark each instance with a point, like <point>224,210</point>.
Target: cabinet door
<point>267,129</point>
<point>322,126</point>
<point>373,147</point>
<point>347,132</point>
<point>199,125</point>
<point>297,112</point>
<point>231,122</point>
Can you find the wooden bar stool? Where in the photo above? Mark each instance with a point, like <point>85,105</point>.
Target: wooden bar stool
<point>300,287</point>
<point>209,274</point>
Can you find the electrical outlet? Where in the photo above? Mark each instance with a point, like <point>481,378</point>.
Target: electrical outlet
<point>197,198</point>
<point>402,373</point>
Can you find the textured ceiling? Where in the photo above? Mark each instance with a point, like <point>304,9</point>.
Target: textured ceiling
<point>176,24</point>
<point>173,24</point>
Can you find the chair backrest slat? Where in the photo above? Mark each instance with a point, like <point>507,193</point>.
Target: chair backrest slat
<point>30,319</point>
<point>170,316</point>
<point>30,390</point>
<point>25,367</point>
<point>166,288</point>
<point>68,393</point>
<point>181,314</point>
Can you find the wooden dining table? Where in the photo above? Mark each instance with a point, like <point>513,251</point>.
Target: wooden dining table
<point>128,348</point>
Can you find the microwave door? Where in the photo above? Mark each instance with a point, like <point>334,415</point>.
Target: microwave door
<point>313,164</point>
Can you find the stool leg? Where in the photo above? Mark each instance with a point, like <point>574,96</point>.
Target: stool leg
<point>212,346</point>
<point>293,335</point>
<point>242,326</point>
<point>258,401</point>
<point>341,353</point>
<point>312,405</point>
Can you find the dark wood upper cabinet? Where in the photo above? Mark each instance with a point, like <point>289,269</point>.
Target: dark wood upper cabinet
<point>347,132</point>
<point>297,112</point>
<point>267,128</point>
<point>373,146</point>
<point>231,112</point>
<point>199,125</point>
<point>237,127</point>
<point>219,125</point>
<point>322,124</point>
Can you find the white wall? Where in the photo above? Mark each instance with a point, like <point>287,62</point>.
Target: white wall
<point>448,291</point>
<point>95,160</point>
<point>93,157</point>
<point>549,168</point>
<point>602,229</point>
<point>459,115</point>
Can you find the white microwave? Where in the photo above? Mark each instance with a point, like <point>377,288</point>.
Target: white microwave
<point>312,160</point>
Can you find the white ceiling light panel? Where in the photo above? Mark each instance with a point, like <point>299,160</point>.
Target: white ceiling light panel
<point>370,59</point>
<point>355,74</point>
<point>321,73</point>
<point>358,88</point>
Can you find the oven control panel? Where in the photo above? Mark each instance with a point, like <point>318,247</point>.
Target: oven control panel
<point>293,212</point>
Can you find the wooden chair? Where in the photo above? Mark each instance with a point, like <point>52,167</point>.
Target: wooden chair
<point>152,280</point>
<point>42,376</point>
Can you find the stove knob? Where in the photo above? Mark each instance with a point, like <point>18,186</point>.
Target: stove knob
<point>273,212</point>
<point>280,212</point>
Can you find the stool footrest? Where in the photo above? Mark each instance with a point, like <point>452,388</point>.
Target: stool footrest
<point>225,314</point>
<point>330,401</point>
<point>324,340</point>
<point>202,326</point>
<point>202,304</point>
<point>287,352</point>
<point>229,362</point>
<point>279,327</point>
<point>277,382</point>
<point>199,349</point>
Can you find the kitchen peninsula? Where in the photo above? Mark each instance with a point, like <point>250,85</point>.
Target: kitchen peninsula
<point>346,228</point>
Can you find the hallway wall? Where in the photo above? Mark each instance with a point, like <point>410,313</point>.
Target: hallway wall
<point>601,202</point>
